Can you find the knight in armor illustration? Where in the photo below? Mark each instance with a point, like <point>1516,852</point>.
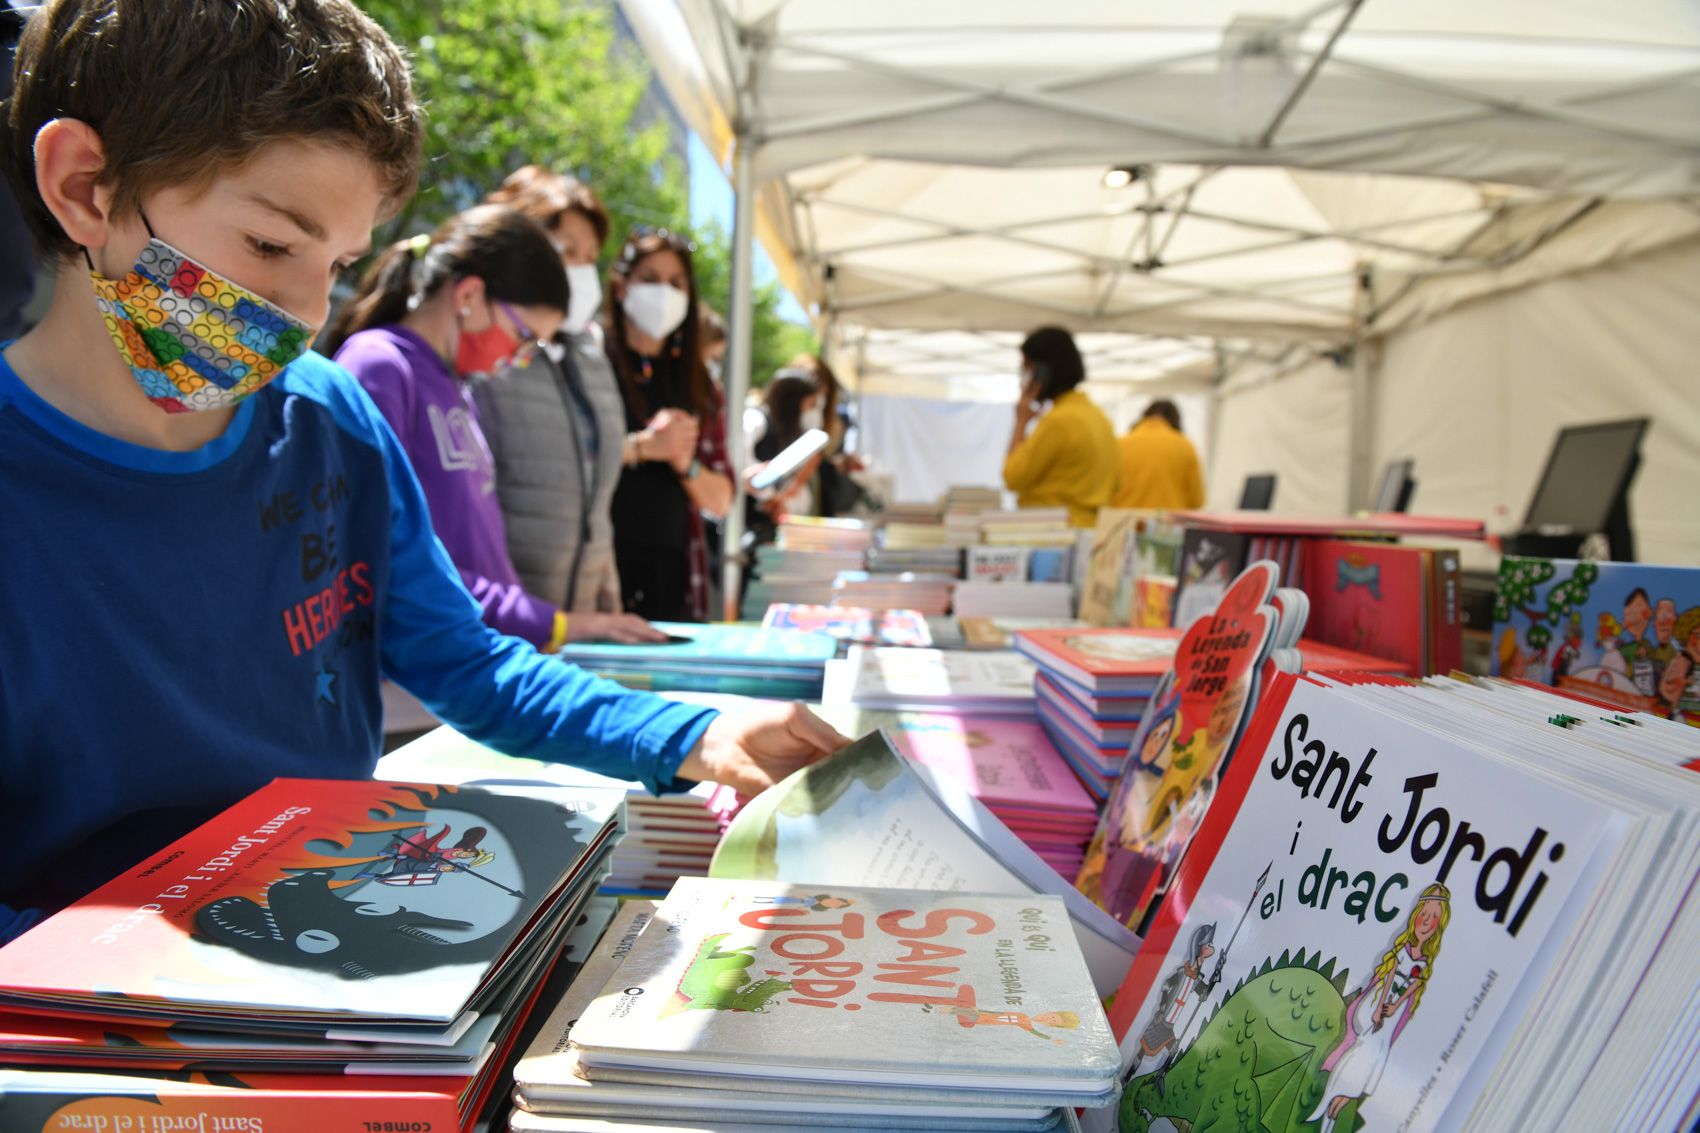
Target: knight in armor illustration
<point>1182,987</point>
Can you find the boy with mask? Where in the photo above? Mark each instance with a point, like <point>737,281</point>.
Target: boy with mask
<point>214,545</point>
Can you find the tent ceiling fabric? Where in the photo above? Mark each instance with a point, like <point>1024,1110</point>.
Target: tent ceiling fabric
<point>938,168</point>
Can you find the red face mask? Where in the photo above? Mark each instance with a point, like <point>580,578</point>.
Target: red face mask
<point>493,349</point>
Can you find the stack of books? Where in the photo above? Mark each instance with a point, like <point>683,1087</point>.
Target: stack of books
<point>1092,687</point>
<point>901,536</point>
<point>742,660</point>
<point>812,533</point>
<point>1008,764</point>
<point>1027,527</point>
<point>972,498</point>
<point>344,952</point>
<point>726,1000</point>
<point>921,560</point>
<point>854,624</point>
<point>809,554</point>
<point>926,593</point>
<point>1012,767</point>
<point>1013,600</point>
<point>912,511</point>
<point>667,836</point>
<point>990,682</point>
<point>1459,905</point>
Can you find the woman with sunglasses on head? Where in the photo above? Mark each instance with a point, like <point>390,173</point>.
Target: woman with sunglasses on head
<point>557,427</point>
<point>475,297</point>
<point>676,465</point>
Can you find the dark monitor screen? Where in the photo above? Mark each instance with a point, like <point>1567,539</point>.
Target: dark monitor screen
<point>1589,469</point>
<point>1396,484</point>
<point>1258,493</point>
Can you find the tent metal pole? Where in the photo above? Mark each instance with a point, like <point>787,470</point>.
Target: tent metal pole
<point>738,362</point>
<point>1363,396</point>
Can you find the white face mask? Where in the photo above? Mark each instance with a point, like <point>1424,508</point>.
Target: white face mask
<point>656,308</point>
<point>584,290</point>
<point>811,418</point>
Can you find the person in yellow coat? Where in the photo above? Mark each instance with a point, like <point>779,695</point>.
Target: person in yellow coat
<point>1159,466</point>
<point>1069,458</point>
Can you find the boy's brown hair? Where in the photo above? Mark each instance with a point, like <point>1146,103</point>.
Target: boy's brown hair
<point>184,90</point>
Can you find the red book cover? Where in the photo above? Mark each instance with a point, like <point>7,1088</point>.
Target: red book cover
<point>1320,657</point>
<point>347,902</point>
<point>1446,617</point>
<point>1102,659</point>
<point>1370,598</point>
<point>1174,765</point>
<point>1338,527</point>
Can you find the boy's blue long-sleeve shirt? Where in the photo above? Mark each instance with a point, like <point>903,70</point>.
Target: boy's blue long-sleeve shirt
<point>176,629</point>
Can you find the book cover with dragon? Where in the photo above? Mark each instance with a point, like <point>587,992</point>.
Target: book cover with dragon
<point>319,900</point>
<point>1356,930</point>
<point>845,982</point>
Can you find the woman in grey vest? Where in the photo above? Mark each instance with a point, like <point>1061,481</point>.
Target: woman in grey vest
<point>556,428</point>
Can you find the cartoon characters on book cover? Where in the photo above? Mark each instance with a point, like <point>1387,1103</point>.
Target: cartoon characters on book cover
<point>1186,735</point>
<point>1625,633</point>
<point>1363,908</point>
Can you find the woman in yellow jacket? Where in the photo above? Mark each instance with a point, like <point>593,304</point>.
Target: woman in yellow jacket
<point>1069,460</point>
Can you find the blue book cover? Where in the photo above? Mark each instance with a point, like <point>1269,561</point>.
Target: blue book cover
<point>1624,633</point>
<point>697,642</point>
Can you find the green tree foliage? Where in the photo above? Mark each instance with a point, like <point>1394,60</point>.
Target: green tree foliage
<point>774,341</point>
<point>1519,579</point>
<point>507,82</point>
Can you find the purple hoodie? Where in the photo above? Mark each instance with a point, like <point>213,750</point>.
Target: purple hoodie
<point>432,413</point>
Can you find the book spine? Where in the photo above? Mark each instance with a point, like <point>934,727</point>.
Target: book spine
<point>1448,622</point>
<point>164,1109</point>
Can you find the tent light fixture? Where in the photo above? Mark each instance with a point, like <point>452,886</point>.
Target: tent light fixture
<point>1121,176</point>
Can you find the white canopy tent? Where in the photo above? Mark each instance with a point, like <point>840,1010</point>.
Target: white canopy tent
<point>1207,194</point>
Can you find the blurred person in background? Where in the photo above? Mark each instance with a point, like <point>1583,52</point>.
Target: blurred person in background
<point>675,462</point>
<point>1069,457</point>
<point>1159,466</point>
<point>556,427</point>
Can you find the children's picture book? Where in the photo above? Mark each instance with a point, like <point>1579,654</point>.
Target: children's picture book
<point>853,983</point>
<point>1153,601</point>
<point>1105,662</point>
<point>870,816</point>
<point>999,632</point>
<point>1185,739</point>
<point>1358,929</point>
<point>1372,598</point>
<point>920,680</point>
<point>1625,633</point>
<point>852,623</point>
<point>319,901</point>
<point>1209,561</point>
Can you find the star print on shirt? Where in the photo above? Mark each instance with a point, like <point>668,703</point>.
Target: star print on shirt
<point>327,680</point>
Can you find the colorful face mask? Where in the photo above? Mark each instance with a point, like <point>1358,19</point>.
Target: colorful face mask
<point>193,339</point>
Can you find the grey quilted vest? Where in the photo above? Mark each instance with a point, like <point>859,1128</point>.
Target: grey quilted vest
<point>559,535</point>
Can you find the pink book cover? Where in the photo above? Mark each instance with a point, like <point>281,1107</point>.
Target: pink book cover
<point>1001,761</point>
<point>1370,598</point>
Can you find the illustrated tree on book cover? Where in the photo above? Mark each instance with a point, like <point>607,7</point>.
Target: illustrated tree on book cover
<point>1557,612</point>
<point>1184,740</point>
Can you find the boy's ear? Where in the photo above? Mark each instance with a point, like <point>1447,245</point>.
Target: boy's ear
<point>69,159</point>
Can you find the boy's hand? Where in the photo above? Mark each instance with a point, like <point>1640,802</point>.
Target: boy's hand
<point>750,751</point>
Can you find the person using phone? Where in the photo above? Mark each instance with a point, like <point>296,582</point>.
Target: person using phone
<point>1062,452</point>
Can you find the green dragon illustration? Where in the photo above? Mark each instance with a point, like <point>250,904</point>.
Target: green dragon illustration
<point>716,980</point>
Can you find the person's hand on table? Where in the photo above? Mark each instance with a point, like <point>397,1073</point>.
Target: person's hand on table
<point>623,629</point>
<point>752,750</point>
